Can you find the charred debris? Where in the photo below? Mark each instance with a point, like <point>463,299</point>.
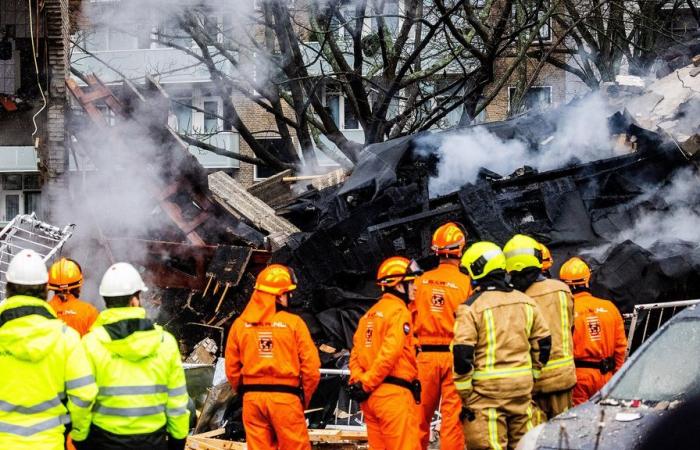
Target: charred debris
<point>334,230</point>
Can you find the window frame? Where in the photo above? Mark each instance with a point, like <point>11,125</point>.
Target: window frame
<point>544,86</point>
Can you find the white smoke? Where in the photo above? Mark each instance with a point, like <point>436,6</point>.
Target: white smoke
<point>582,134</point>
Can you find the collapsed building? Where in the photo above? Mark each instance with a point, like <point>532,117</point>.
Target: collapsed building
<point>208,236</point>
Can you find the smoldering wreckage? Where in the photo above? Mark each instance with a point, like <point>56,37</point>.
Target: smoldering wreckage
<point>629,203</point>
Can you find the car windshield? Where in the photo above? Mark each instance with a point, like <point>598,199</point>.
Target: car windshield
<point>669,368</point>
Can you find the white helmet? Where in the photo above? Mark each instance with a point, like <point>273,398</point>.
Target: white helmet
<point>27,268</point>
<point>121,279</point>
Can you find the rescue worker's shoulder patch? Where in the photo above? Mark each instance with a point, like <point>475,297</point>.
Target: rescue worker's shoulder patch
<point>406,328</point>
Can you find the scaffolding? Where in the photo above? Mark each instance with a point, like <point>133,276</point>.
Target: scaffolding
<point>27,232</point>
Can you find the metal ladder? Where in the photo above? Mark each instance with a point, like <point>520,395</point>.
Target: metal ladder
<point>25,231</point>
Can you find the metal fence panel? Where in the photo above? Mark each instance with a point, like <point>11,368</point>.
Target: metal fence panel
<point>648,318</point>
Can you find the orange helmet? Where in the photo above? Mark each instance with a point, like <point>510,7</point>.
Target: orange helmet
<point>547,261</point>
<point>395,270</point>
<point>64,275</point>
<point>449,239</point>
<point>276,279</point>
<point>575,272</point>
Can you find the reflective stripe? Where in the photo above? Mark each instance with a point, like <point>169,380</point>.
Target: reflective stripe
<point>80,382</point>
<point>130,412</point>
<point>565,324</point>
<point>176,411</point>
<point>490,339</point>
<point>39,407</point>
<point>536,373</point>
<point>520,251</point>
<point>177,391</point>
<point>133,390</point>
<point>463,385</point>
<point>528,425</point>
<point>559,362</point>
<point>502,373</point>
<point>530,317</point>
<point>79,401</point>
<point>36,428</point>
<point>493,429</point>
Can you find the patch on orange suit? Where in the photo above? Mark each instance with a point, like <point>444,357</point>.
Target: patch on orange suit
<point>265,344</point>
<point>368,335</point>
<point>594,328</point>
<point>437,301</point>
<point>406,328</point>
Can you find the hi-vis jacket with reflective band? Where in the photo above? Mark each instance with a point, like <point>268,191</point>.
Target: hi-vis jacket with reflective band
<point>280,351</point>
<point>384,344</point>
<point>504,328</point>
<point>139,372</point>
<point>438,294</point>
<point>76,313</point>
<point>557,306</point>
<point>46,381</point>
<point>599,331</point>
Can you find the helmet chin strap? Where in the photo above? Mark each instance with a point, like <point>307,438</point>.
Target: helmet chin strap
<point>402,295</point>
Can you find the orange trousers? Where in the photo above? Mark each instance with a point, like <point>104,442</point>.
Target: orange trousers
<point>274,420</point>
<point>588,382</point>
<point>435,374</point>
<point>391,416</point>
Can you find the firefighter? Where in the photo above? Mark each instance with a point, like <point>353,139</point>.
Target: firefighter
<point>547,261</point>
<point>272,361</point>
<point>65,280</point>
<point>600,343</point>
<point>553,385</point>
<point>383,371</point>
<point>142,400</point>
<point>500,337</point>
<point>47,381</point>
<point>438,293</point>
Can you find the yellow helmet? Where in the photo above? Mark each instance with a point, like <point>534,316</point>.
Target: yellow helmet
<point>575,272</point>
<point>483,258</point>
<point>547,260</point>
<point>522,252</point>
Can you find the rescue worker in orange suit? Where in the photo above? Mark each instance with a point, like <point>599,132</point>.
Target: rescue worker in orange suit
<point>438,293</point>
<point>500,338</point>
<point>273,363</point>
<point>600,343</point>
<point>65,280</point>
<point>547,261</point>
<point>383,371</point>
<point>554,383</point>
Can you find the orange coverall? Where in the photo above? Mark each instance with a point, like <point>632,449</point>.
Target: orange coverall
<point>384,345</point>
<point>599,333</point>
<point>75,313</point>
<point>438,293</point>
<point>269,347</point>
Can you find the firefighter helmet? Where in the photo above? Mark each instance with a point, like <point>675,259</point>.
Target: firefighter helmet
<point>27,268</point>
<point>64,275</point>
<point>276,279</point>
<point>547,260</point>
<point>522,252</point>
<point>483,258</point>
<point>575,272</point>
<point>449,240</point>
<point>395,270</point>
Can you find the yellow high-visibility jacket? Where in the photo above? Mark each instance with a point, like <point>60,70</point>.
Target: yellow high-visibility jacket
<point>139,373</point>
<point>497,342</point>
<point>557,306</point>
<point>46,379</point>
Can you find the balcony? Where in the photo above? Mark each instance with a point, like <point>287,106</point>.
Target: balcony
<point>227,140</point>
<point>168,65</point>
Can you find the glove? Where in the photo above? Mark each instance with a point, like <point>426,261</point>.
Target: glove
<point>357,393</point>
<point>467,414</point>
<point>79,445</point>
<point>176,444</point>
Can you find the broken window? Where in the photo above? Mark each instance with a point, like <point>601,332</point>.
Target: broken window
<point>536,98</point>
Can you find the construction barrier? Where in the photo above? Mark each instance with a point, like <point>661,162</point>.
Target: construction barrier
<point>648,318</point>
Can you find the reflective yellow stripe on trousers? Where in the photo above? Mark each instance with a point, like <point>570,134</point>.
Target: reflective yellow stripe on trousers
<point>493,429</point>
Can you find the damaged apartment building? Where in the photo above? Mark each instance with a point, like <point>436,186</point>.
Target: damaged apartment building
<point>33,66</point>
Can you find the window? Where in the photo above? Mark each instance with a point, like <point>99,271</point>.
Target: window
<point>12,182</point>
<point>20,195</point>
<point>539,97</point>
<point>275,146</point>
<point>117,37</point>
<point>32,202</point>
<point>172,32</point>
<point>183,114</point>
<point>211,121</point>
<point>11,206</point>
<point>391,16</point>
<point>342,113</point>
<point>257,4</point>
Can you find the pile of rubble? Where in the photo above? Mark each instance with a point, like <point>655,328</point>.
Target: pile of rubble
<point>335,230</point>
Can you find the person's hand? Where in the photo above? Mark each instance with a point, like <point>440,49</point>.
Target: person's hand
<point>357,393</point>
